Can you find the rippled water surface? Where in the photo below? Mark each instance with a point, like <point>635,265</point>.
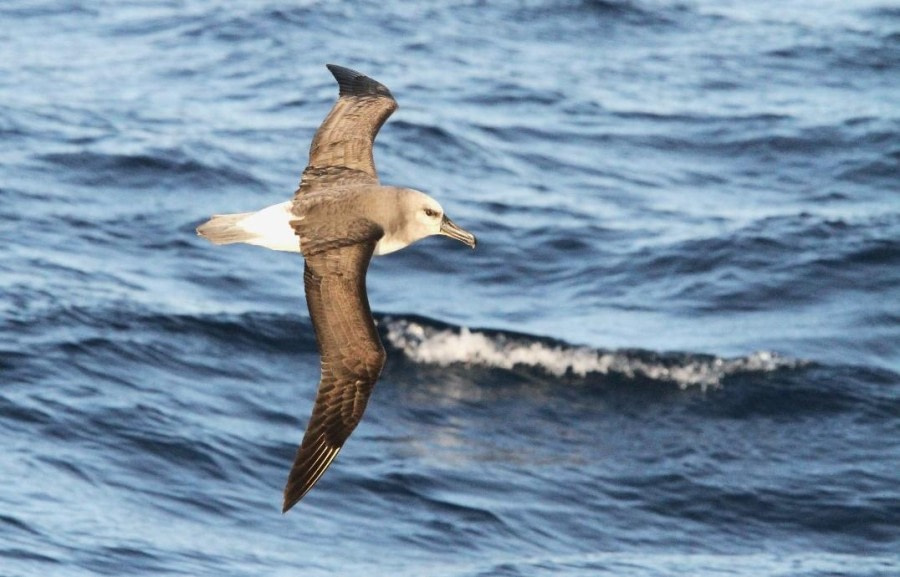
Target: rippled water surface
<point>674,352</point>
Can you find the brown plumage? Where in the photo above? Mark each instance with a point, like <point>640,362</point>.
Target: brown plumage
<point>341,151</point>
<point>352,359</point>
<point>339,218</point>
<point>334,276</point>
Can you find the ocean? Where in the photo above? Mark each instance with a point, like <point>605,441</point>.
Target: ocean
<point>675,351</point>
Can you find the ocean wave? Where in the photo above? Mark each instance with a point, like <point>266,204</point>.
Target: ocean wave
<point>769,262</point>
<point>146,168</point>
<point>125,332</point>
<point>426,342</point>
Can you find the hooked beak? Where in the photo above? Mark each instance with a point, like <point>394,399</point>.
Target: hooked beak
<point>449,228</point>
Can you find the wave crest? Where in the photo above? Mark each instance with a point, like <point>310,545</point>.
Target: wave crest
<point>424,342</point>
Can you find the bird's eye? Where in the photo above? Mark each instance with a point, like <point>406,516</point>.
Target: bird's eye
<point>430,213</point>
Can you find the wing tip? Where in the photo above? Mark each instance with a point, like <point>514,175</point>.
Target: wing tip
<point>353,83</point>
<point>292,495</point>
<point>302,479</point>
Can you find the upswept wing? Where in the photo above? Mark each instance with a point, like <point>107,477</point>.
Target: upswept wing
<point>351,351</point>
<point>341,150</point>
<point>337,248</point>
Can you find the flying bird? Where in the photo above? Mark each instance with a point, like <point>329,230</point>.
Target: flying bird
<point>339,218</point>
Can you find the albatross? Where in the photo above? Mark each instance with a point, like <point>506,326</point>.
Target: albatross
<point>340,216</point>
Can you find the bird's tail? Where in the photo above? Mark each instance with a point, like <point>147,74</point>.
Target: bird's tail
<point>269,227</point>
<point>226,229</point>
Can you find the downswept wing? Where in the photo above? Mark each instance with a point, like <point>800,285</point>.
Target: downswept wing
<point>352,355</point>
<point>341,150</point>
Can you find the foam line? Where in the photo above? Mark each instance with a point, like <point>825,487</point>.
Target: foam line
<point>447,346</point>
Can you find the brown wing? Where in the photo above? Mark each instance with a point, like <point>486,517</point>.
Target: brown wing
<point>352,357</point>
<point>341,150</point>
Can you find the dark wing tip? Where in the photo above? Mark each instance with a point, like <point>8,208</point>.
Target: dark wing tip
<point>311,463</point>
<point>353,83</point>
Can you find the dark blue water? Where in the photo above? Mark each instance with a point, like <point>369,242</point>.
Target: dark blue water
<point>676,350</point>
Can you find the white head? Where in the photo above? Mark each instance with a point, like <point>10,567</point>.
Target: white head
<point>420,216</point>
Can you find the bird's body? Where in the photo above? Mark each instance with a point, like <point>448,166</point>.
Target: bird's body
<point>339,218</point>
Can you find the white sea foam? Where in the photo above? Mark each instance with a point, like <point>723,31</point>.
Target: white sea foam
<point>443,347</point>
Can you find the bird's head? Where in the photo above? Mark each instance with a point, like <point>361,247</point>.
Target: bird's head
<point>418,216</point>
<point>429,219</point>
